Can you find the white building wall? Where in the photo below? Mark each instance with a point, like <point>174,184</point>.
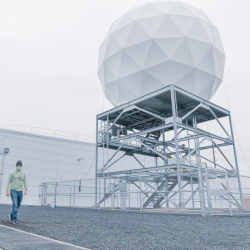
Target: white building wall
<point>45,159</point>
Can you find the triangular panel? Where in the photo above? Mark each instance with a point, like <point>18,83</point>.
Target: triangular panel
<point>113,64</point>
<point>207,62</point>
<point>136,35</point>
<point>169,45</point>
<point>122,35</point>
<point>197,49</point>
<point>169,72</point>
<point>155,55</point>
<point>168,29</point>
<point>219,61</point>
<point>151,25</point>
<point>109,73</point>
<point>182,54</point>
<point>112,47</point>
<point>139,52</point>
<point>184,23</point>
<point>197,32</point>
<point>128,66</point>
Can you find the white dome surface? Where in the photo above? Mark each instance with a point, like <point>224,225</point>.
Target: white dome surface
<point>158,44</point>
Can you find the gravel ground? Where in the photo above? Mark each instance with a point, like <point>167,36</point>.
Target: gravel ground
<point>98,229</point>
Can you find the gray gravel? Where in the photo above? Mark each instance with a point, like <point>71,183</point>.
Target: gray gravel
<point>98,229</point>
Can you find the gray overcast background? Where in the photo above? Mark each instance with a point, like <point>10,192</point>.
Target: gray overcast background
<point>48,62</point>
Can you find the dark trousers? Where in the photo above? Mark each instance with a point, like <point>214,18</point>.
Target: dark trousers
<point>16,197</point>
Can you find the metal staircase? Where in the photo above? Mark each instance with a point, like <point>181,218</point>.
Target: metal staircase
<point>158,196</point>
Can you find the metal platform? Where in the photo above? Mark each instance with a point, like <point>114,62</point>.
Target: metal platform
<point>188,141</point>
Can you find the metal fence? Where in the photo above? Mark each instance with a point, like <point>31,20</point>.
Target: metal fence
<point>75,193</point>
<point>81,193</point>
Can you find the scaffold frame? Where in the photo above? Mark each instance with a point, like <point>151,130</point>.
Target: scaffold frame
<point>185,135</point>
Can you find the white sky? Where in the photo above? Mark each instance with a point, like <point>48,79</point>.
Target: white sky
<point>48,62</point>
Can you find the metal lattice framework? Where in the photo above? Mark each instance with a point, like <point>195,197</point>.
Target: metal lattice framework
<point>188,142</point>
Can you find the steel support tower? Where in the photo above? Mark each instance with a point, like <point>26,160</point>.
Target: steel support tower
<point>179,152</point>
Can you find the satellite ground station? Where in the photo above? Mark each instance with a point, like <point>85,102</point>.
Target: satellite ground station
<point>159,65</point>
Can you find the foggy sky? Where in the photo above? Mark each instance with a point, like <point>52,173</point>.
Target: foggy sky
<point>48,63</point>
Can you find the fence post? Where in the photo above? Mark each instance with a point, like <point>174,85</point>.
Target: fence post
<point>74,196</point>
<point>55,195</point>
<point>45,194</point>
<point>228,190</point>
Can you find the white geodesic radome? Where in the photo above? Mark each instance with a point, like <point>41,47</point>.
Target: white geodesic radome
<point>158,44</point>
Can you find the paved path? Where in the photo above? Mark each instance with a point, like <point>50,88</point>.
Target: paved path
<point>15,239</point>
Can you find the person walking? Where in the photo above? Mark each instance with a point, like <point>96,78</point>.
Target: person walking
<point>17,186</point>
